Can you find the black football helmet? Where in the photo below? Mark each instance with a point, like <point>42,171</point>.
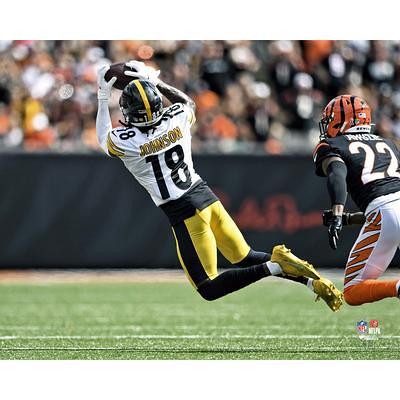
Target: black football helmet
<point>141,103</point>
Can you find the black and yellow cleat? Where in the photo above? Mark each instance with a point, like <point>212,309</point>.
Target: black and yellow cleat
<point>328,292</point>
<point>292,265</point>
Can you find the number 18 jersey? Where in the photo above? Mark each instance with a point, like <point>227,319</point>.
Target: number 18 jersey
<point>372,164</point>
<point>161,157</point>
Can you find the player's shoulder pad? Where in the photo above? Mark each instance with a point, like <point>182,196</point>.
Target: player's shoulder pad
<point>180,110</point>
<point>322,146</point>
<point>323,151</point>
<point>190,113</point>
<point>116,147</point>
<point>391,142</point>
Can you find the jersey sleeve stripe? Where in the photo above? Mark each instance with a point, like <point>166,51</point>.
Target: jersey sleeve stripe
<point>113,149</point>
<point>192,119</point>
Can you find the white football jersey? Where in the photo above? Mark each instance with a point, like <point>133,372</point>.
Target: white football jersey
<point>161,158</point>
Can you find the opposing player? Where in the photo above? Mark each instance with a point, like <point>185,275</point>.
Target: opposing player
<point>154,143</point>
<point>367,166</point>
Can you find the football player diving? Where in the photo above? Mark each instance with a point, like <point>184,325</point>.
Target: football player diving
<point>154,143</point>
<point>367,166</point>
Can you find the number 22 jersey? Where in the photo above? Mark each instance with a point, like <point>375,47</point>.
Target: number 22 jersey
<point>372,164</point>
<point>160,158</point>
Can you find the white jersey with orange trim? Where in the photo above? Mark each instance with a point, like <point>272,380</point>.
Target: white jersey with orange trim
<point>161,157</point>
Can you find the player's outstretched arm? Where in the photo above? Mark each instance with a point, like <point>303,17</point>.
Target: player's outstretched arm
<point>175,95</point>
<point>103,119</point>
<point>336,172</point>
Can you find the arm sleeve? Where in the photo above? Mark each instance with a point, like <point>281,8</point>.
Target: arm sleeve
<point>337,188</point>
<point>103,124</point>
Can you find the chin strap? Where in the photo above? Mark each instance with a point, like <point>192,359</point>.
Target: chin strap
<point>124,124</point>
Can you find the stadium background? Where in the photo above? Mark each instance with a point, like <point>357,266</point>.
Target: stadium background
<point>64,204</point>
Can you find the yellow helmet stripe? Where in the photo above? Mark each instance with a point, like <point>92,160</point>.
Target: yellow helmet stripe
<point>145,99</point>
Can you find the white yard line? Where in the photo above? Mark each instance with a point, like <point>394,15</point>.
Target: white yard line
<point>130,327</point>
<point>167,350</point>
<point>96,337</point>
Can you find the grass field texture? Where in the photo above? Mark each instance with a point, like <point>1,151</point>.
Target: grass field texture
<point>168,320</point>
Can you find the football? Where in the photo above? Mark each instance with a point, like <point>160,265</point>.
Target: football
<point>118,70</point>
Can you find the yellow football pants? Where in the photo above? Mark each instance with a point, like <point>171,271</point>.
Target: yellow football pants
<point>199,237</point>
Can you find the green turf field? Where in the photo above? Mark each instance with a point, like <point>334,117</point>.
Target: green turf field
<point>269,320</point>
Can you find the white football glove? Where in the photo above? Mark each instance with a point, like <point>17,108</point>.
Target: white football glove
<point>143,71</point>
<point>138,66</point>
<point>104,87</point>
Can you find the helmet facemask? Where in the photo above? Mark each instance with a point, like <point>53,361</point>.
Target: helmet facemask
<point>323,126</point>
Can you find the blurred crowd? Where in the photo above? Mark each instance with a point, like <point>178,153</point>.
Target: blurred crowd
<point>261,97</point>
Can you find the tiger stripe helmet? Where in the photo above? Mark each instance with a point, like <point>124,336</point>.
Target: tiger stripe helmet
<point>344,113</point>
<point>141,103</point>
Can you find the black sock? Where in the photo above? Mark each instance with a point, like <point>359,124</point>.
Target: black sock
<point>232,280</point>
<point>254,258</point>
<point>258,257</point>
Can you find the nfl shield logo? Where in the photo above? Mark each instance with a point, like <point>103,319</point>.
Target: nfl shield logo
<point>362,326</point>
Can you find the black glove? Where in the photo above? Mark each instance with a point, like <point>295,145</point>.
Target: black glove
<point>334,228</point>
<point>327,217</point>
